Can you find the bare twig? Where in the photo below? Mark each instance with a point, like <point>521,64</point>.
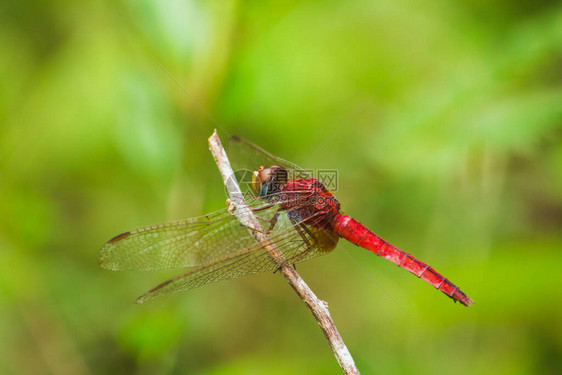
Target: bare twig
<point>243,213</point>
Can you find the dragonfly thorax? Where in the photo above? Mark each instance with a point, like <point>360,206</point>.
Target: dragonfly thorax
<point>306,199</point>
<point>310,201</point>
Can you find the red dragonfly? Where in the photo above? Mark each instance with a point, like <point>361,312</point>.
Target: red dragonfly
<point>301,216</point>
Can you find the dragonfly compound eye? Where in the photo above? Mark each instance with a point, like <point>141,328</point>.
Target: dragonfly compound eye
<point>269,181</point>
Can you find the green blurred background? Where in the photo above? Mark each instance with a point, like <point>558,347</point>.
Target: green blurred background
<point>457,159</point>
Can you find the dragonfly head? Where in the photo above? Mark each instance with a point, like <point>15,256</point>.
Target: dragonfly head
<point>269,181</point>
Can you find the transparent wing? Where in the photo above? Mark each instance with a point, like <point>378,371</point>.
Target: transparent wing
<point>297,245</point>
<point>199,240</point>
<point>181,243</point>
<point>217,244</point>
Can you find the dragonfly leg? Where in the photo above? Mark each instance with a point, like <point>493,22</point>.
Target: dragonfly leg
<point>261,208</point>
<point>271,221</point>
<point>256,229</point>
<point>263,218</point>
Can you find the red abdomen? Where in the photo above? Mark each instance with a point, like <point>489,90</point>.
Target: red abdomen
<point>358,234</point>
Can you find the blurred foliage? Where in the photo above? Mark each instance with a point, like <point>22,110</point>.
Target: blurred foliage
<point>444,120</point>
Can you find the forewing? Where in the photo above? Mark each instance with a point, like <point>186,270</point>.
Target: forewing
<point>189,242</point>
<point>295,245</point>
